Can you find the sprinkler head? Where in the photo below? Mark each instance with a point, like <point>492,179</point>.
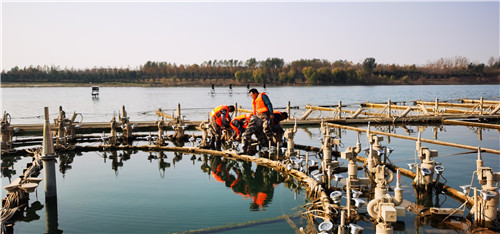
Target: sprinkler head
<point>335,196</point>
<point>426,171</point>
<point>439,169</point>
<point>359,202</point>
<point>318,177</point>
<point>355,228</point>
<point>487,195</point>
<point>325,226</point>
<point>338,177</point>
<point>356,193</point>
<point>465,188</point>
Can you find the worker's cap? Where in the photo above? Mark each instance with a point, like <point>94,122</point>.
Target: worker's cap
<point>231,108</point>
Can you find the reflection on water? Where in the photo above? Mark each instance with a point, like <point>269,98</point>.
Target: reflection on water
<point>257,185</point>
<point>247,181</point>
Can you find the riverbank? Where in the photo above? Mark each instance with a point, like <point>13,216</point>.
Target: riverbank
<point>227,82</point>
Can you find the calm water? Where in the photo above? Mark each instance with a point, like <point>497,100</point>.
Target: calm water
<point>138,192</point>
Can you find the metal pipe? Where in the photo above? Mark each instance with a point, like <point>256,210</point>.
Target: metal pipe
<point>49,160</point>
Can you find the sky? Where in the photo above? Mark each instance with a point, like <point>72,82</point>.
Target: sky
<point>128,34</point>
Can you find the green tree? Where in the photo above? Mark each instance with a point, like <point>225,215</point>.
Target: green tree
<point>311,75</point>
<point>369,64</point>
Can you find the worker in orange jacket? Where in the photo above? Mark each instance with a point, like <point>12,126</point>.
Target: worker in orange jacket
<point>263,108</point>
<point>245,126</point>
<point>219,119</point>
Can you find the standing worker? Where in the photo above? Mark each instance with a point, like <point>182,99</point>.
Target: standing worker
<point>219,120</point>
<point>263,108</point>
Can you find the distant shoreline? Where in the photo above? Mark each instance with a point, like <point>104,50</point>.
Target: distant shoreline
<point>217,84</point>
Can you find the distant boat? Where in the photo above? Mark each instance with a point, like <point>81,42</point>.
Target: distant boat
<point>95,91</point>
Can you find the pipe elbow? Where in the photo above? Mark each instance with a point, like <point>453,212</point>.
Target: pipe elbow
<point>372,208</point>
<point>398,196</point>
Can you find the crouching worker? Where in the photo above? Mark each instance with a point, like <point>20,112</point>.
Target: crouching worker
<point>276,126</point>
<point>219,120</point>
<point>245,126</point>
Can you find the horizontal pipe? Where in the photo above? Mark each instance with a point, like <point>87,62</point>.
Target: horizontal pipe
<point>493,151</point>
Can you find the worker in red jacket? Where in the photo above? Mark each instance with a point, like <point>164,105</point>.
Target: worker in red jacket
<point>245,126</point>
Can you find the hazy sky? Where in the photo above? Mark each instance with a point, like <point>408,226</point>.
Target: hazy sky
<point>121,34</point>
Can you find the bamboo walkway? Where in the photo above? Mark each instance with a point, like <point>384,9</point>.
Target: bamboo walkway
<point>472,113</point>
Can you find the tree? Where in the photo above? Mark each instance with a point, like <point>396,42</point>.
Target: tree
<point>259,76</point>
<point>251,63</point>
<point>369,64</point>
<point>311,75</point>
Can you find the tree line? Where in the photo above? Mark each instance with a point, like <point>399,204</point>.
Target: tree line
<point>273,71</point>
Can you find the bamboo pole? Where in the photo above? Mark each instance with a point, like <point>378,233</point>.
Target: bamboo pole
<point>493,151</point>
<point>465,100</point>
<point>422,106</point>
<point>472,124</point>
<point>164,115</point>
<point>346,111</point>
<point>462,105</point>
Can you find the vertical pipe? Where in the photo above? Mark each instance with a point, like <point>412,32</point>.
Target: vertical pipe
<point>342,222</point>
<point>124,113</point>
<point>436,106</point>
<point>51,215</point>
<point>348,191</point>
<point>481,101</point>
<point>288,110</point>
<point>307,162</point>
<point>178,111</point>
<point>49,159</point>
<point>476,215</point>
<point>339,109</point>
<point>389,108</point>
<point>269,149</point>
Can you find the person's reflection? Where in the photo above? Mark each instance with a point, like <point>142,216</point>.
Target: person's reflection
<point>257,185</point>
